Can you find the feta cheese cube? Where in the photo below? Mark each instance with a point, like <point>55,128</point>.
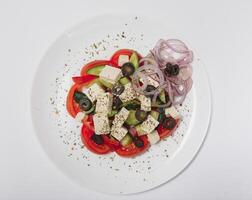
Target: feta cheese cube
<point>79,117</point>
<point>110,74</point>
<point>118,132</point>
<point>121,117</point>
<point>104,103</point>
<point>123,59</point>
<point>153,137</point>
<point>148,125</point>
<point>101,124</point>
<point>172,111</point>
<point>93,91</point>
<point>128,93</point>
<point>145,102</point>
<point>151,81</point>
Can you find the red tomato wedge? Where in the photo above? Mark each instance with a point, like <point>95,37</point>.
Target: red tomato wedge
<point>72,107</point>
<point>84,79</point>
<point>93,64</point>
<point>128,52</point>
<point>90,144</point>
<point>88,122</point>
<point>131,150</point>
<point>163,132</point>
<point>112,143</point>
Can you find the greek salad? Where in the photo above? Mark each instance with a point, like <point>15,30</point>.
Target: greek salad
<point>129,102</point>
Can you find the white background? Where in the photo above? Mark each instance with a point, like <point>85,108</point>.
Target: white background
<point>222,32</point>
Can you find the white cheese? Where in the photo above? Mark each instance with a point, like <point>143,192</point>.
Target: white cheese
<point>79,117</point>
<point>123,59</point>
<point>110,74</point>
<point>101,124</point>
<point>104,103</point>
<point>93,91</point>
<point>172,112</point>
<point>148,125</point>
<point>121,117</point>
<point>153,137</point>
<point>128,93</point>
<point>145,102</point>
<point>118,132</point>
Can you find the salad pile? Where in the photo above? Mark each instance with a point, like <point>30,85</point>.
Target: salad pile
<point>128,102</point>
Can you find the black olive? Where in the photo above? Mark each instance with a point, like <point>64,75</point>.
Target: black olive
<point>171,70</point>
<point>150,88</point>
<point>128,69</point>
<point>169,123</point>
<point>85,104</point>
<point>138,142</point>
<point>97,139</point>
<point>78,96</point>
<point>141,115</point>
<point>117,89</point>
<point>117,103</point>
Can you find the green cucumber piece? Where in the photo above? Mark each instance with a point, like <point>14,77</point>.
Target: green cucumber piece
<point>162,96</point>
<point>90,110</point>
<point>134,60</point>
<point>132,120</point>
<point>126,140</point>
<point>124,80</point>
<point>95,71</point>
<point>105,83</point>
<point>154,114</point>
<point>139,130</point>
<point>79,95</point>
<point>112,113</point>
<point>131,102</point>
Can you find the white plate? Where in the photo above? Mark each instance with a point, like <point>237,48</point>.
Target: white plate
<point>58,133</point>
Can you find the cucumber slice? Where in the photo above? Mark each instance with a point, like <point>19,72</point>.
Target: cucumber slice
<point>139,130</point>
<point>131,120</point>
<point>154,114</point>
<point>124,80</point>
<point>134,60</point>
<point>105,83</point>
<point>112,113</point>
<point>162,96</point>
<point>95,71</point>
<point>90,110</point>
<point>126,140</point>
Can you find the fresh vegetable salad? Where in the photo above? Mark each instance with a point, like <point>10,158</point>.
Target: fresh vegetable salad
<point>127,103</point>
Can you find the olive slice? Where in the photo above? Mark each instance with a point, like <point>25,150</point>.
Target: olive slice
<point>97,139</point>
<point>85,104</point>
<point>128,69</point>
<point>141,115</point>
<point>138,142</point>
<point>171,70</point>
<point>117,103</point>
<point>150,88</point>
<point>117,89</point>
<point>169,123</point>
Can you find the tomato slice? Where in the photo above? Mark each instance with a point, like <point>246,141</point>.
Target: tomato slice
<point>86,134</point>
<point>112,143</point>
<point>93,64</point>
<point>88,122</point>
<point>72,107</point>
<point>131,150</point>
<point>163,132</point>
<point>128,52</point>
<point>84,79</point>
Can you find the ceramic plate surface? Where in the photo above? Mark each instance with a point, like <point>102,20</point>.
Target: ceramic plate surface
<point>59,134</point>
